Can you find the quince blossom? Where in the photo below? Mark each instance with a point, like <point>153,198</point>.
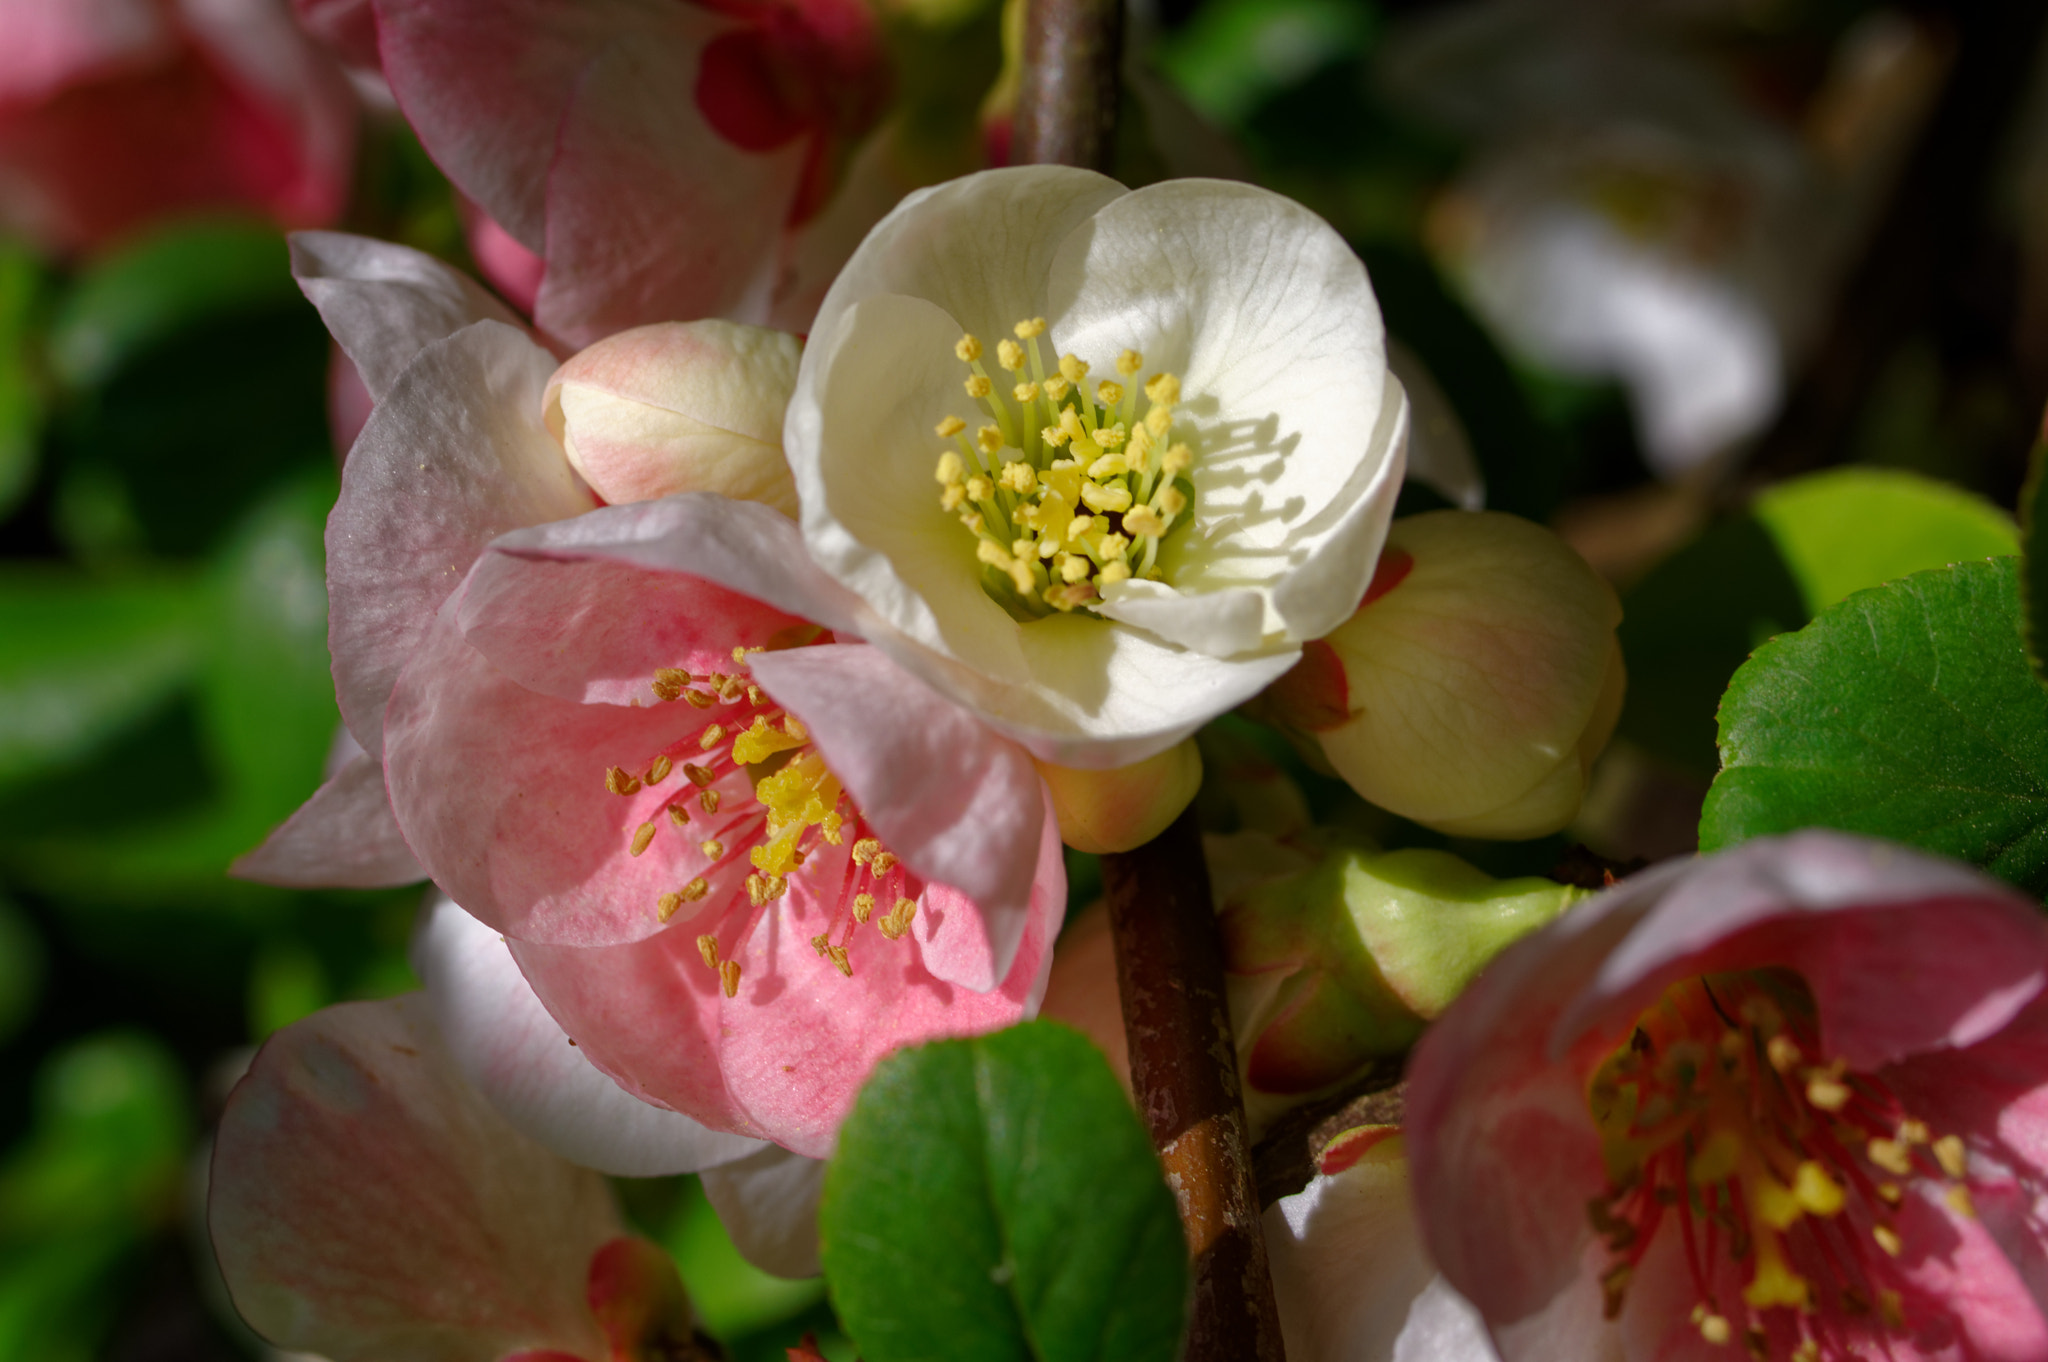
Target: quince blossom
<point>1786,1102</point>
<point>1165,441</point>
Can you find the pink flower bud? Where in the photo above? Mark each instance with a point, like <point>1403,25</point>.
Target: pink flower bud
<point>1476,683</point>
<point>679,407</point>
<point>1116,810</point>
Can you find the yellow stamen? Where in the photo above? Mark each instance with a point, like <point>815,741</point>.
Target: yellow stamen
<point>658,772</point>
<point>968,349</point>
<point>1948,1152</point>
<point>708,801</point>
<point>619,782</point>
<point>643,837</point>
<point>707,946</point>
<point>729,976</point>
<point>1129,362</point>
<point>979,386</point>
<point>666,906</point>
<point>1010,355</point>
<point>1888,1239</point>
<point>712,849</point>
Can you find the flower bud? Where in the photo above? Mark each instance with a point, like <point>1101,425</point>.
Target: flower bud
<point>679,407</point>
<point>1475,684</point>
<point>1346,961</point>
<point>1116,810</point>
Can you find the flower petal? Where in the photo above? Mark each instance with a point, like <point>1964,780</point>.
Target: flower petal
<point>959,804</point>
<point>768,1203</point>
<point>344,836</point>
<point>51,46</point>
<point>699,574</point>
<point>512,1052</point>
<point>1267,317</point>
<point>384,303</point>
<point>453,457</point>
<point>366,1204</point>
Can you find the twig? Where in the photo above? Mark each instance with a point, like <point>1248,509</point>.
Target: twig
<point>1169,969</point>
<point>1066,102</point>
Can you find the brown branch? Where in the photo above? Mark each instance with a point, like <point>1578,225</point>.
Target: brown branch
<point>1169,968</point>
<point>1066,102</point>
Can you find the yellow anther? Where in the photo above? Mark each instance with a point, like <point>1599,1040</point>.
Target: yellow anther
<point>1010,355</point>
<point>1716,1160</point>
<point>988,439</point>
<point>658,772</point>
<point>1958,1199</point>
<point>884,862</point>
<point>1888,1239</point>
<point>1056,388</point>
<point>1110,437</point>
<point>1715,1329</point>
<point>1108,393</point>
<point>1073,567</point>
<point>1025,392</point>
<point>1158,421</point>
<point>729,976</point>
<point>1143,520</point>
<point>794,727</point>
<point>992,553</point>
<point>950,427</point>
<point>952,468</point>
<point>1176,461</point>
<point>1171,501</point>
<point>1111,546</point>
<point>864,850</point>
<point>898,920</point>
<point>754,696</point>
<point>979,488</point>
<point>700,776</point>
<point>700,699</point>
<point>1913,1132</point>
<point>696,889</point>
<point>837,955</point>
<point>1108,466</point>
<point>1053,436</point>
<point>707,946</point>
<point>712,849</point>
<point>1890,1155</point>
<point>757,890</point>
<point>1162,389</point>
<point>710,737</point>
<point>972,520</point>
<point>979,386</point>
<point>1079,526</point>
<point>953,498</point>
<point>1112,573</point>
<point>1020,478</point>
<point>1818,1193</point>
<point>1129,362</point>
<point>1783,1052</point>
<point>678,815</point>
<point>863,908</point>
<point>1029,327</point>
<point>1073,369</point>
<point>643,837</point>
<point>708,801</point>
<point>1948,1152</point>
<point>1023,548</point>
<point>665,907</point>
<point>1890,1193</point>
<point>1807,1351</point>
<point>1110,500</point>
<point>669,682</point>
<point>1891,1309</point>
<point>1775,1284</point>
<point>620,782</point>
<point>1775,1204</point>
<point>968,349</point>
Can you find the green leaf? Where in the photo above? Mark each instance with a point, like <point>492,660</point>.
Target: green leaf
<point>996,1198</point>
<point>733,1297</point>
<point>21,395</point>
<point>81,660</point>
<point>1907,712</point>
<point>165,283</point>
<point>2034,561</point>
<point>1233,54</point>
<point>22,962</point>
<point>1852,528</point>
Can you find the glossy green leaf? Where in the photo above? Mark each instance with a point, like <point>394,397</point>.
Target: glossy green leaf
<point>1907,712</point>
<point>81,660</point>
<point>996,1198</point>
<point>2034,561</point>
<point>164,283</point>
<point>1851,528</point>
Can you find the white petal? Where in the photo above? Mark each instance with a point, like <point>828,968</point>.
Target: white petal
<point>512,1052</point>
<point>1267,317</point>
<point>384,302</point>
<point>344,836</point>
<point>768,1203</point>
<point>1439,451</point>
<point>1217,623</point>
<point>454,457</point>
<point>957,803</point>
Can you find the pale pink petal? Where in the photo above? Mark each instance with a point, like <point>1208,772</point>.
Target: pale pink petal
<point>959,803</point>
<point>348,28</point>
<point>795,1044</point>
<point>1961,1289</point>
<point>651,215</point>
<point>487,84</point>
<point>344,836</point>
<point>51,43</point>
<point>502,792</point>
<point>384,303</point>
<point>768,1203</point>
<point>453,457</point>
<point>512,269</point>
<point>512,1052</point>
<point>366,1205</point>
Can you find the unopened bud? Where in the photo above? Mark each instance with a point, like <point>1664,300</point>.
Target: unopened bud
<point>679,407</point>
<point>1476,683</point>
<point>1116,810</point>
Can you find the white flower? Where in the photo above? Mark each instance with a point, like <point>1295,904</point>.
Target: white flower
<point>1099,607</point>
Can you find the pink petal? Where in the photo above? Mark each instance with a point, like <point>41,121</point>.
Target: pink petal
<point>638,1300</point>
<point>48,44</point>
<point>895,744</point>
<point>344,836</point>
<point>384,303</point>
<point>786,1056</point>
<point>511,1051</point>
<point>366,1205</point>
<point>768,1203</point>
<point>512,269</point>
<point>453,457</point>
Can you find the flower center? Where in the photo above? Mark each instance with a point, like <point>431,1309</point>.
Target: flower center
<point>1068,489</point>
<point>1721,1113</point>
<point>757,808</point>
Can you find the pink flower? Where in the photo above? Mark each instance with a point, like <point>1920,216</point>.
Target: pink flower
<point>365,1204</point>
<point>1792,1099</point>
<point>738,854</point>
<point>666,159</point>
<point>114,113</point>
